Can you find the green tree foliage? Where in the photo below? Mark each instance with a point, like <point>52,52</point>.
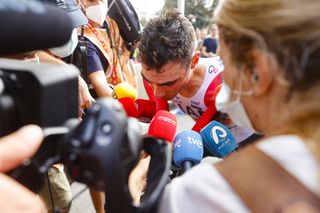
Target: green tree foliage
<point>170,4</point>
<point>196,11</point>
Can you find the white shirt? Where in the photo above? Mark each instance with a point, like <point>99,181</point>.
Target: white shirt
<point>203,189</point>
<point>195,106</point>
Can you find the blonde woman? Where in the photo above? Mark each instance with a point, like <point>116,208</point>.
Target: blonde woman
<point>271,53</point>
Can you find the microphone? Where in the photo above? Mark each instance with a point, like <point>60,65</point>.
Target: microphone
<point>124,89</point>
<point>129,106</point>
<point>143,110</point>
<point>162,129</point>
<point>161,104</point>
<point>218,139</point>
<point>187,149</point>
<point>163,125</point>
<point>30,25</point>
<point>146,109</point>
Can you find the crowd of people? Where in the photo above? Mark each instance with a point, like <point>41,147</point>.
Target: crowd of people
<point>264,58</point>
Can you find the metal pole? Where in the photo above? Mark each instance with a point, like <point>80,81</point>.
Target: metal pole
<point>181,4</point>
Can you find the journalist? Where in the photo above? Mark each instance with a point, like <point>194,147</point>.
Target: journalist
<point>272,81</point>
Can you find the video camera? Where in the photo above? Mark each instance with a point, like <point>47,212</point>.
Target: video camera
<point>99,151</point>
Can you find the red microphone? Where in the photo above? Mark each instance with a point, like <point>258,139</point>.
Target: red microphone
<point>146,109</point>
<point>142,109</point>
<point>163,126</point>
<point>129,106</point>
<point>161,104</point>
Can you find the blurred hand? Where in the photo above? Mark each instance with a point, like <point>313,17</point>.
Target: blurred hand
<point>14,149</point>
<point>85,99</point>
<point>138,177</point>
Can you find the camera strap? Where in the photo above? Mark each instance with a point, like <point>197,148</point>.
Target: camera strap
<point>264,186</point>
<point>79,56</point>
<point>50,192</point>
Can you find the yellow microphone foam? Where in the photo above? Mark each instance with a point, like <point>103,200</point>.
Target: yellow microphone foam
<point>124,90</point>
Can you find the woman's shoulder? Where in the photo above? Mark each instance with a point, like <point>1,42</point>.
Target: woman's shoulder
<point>204,186</point>
<point>294,154</point>
<point>202,189</point>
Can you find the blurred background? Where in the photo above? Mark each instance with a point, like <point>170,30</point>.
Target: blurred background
<point>199,12</point>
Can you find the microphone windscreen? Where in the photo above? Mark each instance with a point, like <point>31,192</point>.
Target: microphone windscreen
<point>161,104</point>
<point>187,146</point>
<point>30,25</point>
<point>123,90</point>
<point>218,139</point>
<point>163,125</point>
<point>129,106</point>
<point>146,109</point>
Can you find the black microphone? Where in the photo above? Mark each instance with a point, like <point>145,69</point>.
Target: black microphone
<point>27,25</point>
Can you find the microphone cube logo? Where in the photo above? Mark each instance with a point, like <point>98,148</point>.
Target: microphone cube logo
<point>218,134</point>
<point>218,139</point>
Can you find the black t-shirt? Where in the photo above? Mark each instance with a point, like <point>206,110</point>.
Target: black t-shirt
<point>96,60</point>
<point>210,44</point>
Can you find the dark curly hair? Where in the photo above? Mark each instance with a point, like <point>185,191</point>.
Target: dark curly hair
<point>168,37</point>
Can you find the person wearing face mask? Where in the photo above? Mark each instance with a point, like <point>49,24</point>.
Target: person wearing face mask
<point>68,48</point>
<point>173,70</point>
<point>272,85</point>
<point>107,61</point>
<point>107,53</point>
<point>78,19</point>
<point>60,195</point>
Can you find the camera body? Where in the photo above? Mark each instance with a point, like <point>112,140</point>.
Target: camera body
<point>42,94</point>
<point>100,151</point>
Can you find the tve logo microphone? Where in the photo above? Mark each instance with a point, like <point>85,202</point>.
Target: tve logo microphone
<point>190,140</point>
<point>218,139</point>
<point>187,149</point>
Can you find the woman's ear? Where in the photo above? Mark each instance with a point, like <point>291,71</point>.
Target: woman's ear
<point>261,74</point>
<point>195,59</point>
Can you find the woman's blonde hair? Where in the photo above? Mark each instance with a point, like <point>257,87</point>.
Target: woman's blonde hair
<point>290,31</point>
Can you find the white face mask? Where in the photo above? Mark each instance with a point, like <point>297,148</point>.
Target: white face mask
<point>97,13</point>
<point>234,108</point>
<point>68,48</point>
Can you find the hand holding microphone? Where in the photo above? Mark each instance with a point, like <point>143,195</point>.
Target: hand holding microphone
<point>162,130</point>
<point>187,149</point>
<point>218,139</point>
